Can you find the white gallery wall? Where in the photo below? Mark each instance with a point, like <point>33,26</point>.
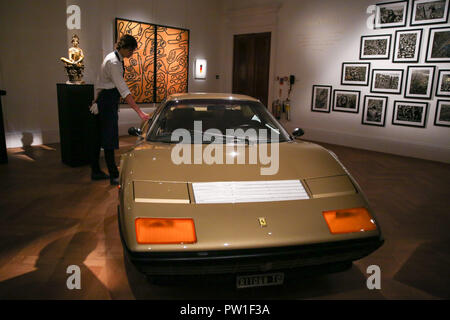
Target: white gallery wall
<point>32,39</point>
<point>34,36</point>
<point>199,16</point>
<point>310,39</point>
<point>313,39</point>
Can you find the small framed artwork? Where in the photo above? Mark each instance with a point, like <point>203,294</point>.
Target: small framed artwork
<point>200,69</point>
<point>346,100</point>
<point>375,47</point>
<point>391,14</point>
<point>374,112</point>
<point>407,45</point>
<point>442,117</point>
<point>419,82</point>
<point>387,81</point>
<point>443,84</point>
<point>438,49</point>
<point>321,98</point>
<point>355,73</point>
<point>410,113</point>
<point>429,12</point>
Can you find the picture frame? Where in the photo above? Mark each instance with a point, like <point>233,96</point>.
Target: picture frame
<point>346,100</point>
<point>374,110</point>
<point>391,14</point>
<point>425,12</point>
<point>407,44</point>
<point>387,81</point>
<point>321,98</point>
<point>147,80</point>
<point>200,69</point>
<point>410,114</point>
<point>375,47</point>
<point>419,82</point>
<point>438,45</point>
<point>355,73</point>
<point>443,83</point>
<point>442,116</point>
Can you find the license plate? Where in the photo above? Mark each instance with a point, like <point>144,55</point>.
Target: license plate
<point>259,280</point>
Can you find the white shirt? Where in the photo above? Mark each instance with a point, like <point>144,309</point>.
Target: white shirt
<point>111,75</point>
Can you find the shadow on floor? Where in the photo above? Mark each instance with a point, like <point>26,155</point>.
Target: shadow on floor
<point>49,279</point>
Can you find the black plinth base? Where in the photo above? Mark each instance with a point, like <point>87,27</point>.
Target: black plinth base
<point>73,112</point>
<point>3,153</point>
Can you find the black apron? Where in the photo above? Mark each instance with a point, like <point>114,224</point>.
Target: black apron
<point>108,112</point>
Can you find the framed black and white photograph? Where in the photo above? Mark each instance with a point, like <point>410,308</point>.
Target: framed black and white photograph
<point>407,45</point>
<point>443,84</point>
<point>355,73</point>
<point>410,113</point>
<point>374,110</point>
<point>387,81</point>
<point>346,100</point>
<point>321,98</point>
<point>375,47</point>
<point>438,49</point>
<point>419,82</point>
<point>442,117</point>
<point>391,14</point>
<point>429,12</point>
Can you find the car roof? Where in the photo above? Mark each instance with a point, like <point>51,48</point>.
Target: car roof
<point>200,95</point>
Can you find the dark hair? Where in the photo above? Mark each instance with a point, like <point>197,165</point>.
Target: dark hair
<point>127,42</point>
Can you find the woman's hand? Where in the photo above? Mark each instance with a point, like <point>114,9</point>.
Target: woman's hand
<point>144,116</point>
<point>129,99</point>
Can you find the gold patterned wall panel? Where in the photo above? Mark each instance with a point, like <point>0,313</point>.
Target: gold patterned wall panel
<point>172,61</point>
<point>140,68</point>
<point>171,67</point>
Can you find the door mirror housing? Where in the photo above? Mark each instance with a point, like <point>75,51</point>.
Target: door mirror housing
<point>297,133</point>
<point>134,131</point>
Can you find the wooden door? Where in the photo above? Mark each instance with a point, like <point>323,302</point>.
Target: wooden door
<point>251,62</point>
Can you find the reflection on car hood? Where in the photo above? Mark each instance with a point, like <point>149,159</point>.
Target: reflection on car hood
<point>297,160</point>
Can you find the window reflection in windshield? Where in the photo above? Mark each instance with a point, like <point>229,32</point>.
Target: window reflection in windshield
<point>222,115</point>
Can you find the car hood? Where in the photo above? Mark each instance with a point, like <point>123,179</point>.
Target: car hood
<point>147,173</point>
<point>296,160</point>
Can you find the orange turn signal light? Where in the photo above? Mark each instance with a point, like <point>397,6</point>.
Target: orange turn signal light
<point>349,220</point>
<point>165,231</point>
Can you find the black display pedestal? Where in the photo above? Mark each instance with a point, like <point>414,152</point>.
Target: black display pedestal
<point>74,116</point>
<point>3,153</point>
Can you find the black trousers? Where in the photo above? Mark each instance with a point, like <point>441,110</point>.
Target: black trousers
<point>104,128</point>
<point>95,150</point>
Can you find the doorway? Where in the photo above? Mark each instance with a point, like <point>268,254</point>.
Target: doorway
<point>251,64</point>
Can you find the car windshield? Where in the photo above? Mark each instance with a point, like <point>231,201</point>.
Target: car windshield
<point>216,121</point>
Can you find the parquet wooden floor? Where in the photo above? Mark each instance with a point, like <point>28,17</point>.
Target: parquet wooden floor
<point>52,216</point>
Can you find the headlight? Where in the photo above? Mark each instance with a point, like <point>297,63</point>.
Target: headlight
<point>165,231</point>
<point>349,220</point>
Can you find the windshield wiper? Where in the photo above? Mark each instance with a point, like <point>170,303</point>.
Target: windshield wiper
<point>234,138</point>
<point>161,137</point>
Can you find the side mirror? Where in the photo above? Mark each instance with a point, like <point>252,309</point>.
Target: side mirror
<point>297,133</point>
<point>134,131</point>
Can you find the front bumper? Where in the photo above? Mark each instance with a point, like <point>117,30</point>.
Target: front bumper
<point>288,258</point>
<point>252,260</point>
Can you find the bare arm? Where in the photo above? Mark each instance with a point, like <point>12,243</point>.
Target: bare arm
<point>119,82</point>
<point>129,99</point>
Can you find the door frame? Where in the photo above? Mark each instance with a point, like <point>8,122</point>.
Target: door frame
<point>245,21</point>
<point>267,35</point>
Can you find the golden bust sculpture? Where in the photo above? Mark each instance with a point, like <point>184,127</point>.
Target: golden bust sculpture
<point>74,64</point>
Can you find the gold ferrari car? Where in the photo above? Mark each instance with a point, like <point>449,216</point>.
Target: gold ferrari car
<point>215,185</point>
